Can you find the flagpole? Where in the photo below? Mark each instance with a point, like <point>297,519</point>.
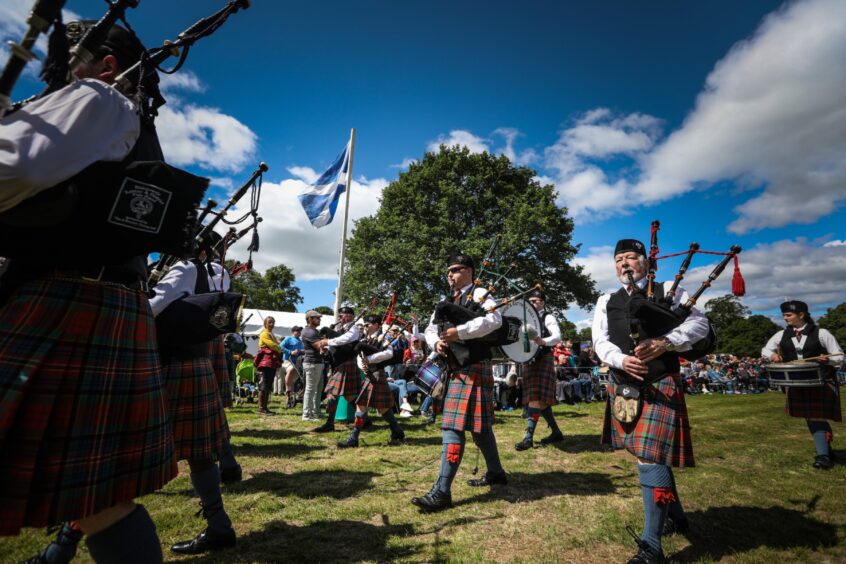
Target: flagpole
<point>339,292</point>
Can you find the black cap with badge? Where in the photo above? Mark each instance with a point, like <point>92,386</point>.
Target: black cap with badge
<point>794,306</point>
<point>629,245</point>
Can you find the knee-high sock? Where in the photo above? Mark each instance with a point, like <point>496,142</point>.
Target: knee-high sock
<point>132,540</point>
<point>358,424</point>
<point>392,421</point>
<point>550,419</point>
<point>657,488</point>
<point>675,508</point>
<point>451,453</point>
<point>487,444</point>
<point>227,457</point>
<point>532,421</point>
<point>207,485</point>
<point>331,406</point>
<point>822,433</point>
<point>63,549</point>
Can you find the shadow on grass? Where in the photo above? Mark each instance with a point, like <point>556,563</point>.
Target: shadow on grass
<point>323,541</point>
<point>531,487</point>
<point>580,443</point>
<point>288,450</point>
<point>272,434</point>
<point>337,484</point>
<point>421,441</point>
<point>724,531</point>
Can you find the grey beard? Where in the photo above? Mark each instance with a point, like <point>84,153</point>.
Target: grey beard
<point>624,280</point>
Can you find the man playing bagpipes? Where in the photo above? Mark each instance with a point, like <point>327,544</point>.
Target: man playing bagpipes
<point>469,403</point>
<point>658,433</point>
<point>345,379</point>
<point>817,404</point>
<point>375,355</point>
<point>539,379</point>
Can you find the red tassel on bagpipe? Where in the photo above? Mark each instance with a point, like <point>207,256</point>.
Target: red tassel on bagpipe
<point>738,285</point>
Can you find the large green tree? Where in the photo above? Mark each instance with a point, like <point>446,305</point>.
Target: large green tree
<point>454,200</point>
<point>835,321</point>
<point>275,290</point>
<point>746,336</point>
<point>724,311</point>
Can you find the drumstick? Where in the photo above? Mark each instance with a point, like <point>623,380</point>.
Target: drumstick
<point>819,357</point>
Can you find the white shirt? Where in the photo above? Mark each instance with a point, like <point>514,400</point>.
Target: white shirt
<point>180,282</point>
<point>351,336</point>
<point>551,324</point>
<point>59,135</point>
<point>694,328</point>
<point>826,339</point>
<point>476,327</point>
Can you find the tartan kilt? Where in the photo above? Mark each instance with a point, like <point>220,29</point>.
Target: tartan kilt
<point>378,395</point>
<point>83,413</point>
<point>818,402</point>
<point>221,371</point>
<point>198,419</point>
<point>469,404</point>
<point>539,380</point>
<point>662,432</point>
<point>344,381</point>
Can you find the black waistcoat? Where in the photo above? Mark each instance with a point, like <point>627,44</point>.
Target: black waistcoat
<point>813,347</point>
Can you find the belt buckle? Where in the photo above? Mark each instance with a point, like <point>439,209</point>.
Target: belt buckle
<point>98,278</point>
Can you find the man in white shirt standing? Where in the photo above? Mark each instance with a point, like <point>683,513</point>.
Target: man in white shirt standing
<point>817,404</point>
<point>469,402</point>
<point>660,435</point>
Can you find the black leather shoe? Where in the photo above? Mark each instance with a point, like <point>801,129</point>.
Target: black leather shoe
<point>350,442</point>
<point>397,438</point>
<point>823,462</point>
<point>327,427</point>
<point>646,555</point>
<point>489,480</point>
<point>430,419</point>
<point>673,526</point>
<point>206,541</point>
<point>433,501</point>
<point>525,444</point>
<point>553,438</point>
<point>231,475</point>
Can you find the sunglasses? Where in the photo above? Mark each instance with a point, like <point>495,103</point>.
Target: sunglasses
<point>455,269</point>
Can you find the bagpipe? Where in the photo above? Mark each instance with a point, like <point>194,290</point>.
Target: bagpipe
<point>113,210</point>
<point>653,316</point>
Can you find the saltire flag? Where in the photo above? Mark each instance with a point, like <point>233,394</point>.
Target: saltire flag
<point>320,200</point>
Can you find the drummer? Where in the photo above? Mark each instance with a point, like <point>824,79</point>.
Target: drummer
<point>817,404</point>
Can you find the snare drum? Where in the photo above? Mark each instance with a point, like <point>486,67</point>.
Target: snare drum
<point>525,348</point>
<point>800,375</point>
<point>431,378</point>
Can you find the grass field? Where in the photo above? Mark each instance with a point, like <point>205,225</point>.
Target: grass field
<point>753,496</point>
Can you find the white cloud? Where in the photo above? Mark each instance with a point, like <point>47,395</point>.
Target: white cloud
<point>771,115</point>
<point>184,80</point>
<point>13,26</point>
<point>509,135</point>
<point>406,162</point>
<point>836,243</point>
<point>460,137</point>
<point>287,237</point>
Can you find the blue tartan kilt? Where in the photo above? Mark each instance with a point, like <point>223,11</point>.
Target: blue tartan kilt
<point>662,432</point>
<point>83,413</point>
<point>199,423</point>
<point>539,380</point>
<point>817,402</point>
<point>344,381</point>
<point>376,395</point>
<point>469,403</point>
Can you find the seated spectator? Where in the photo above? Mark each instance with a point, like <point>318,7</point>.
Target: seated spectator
<point>245,378</point>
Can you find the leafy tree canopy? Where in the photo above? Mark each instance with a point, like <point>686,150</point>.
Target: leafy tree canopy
<point>746,336</point>
<point>724,311</point>
<point>835,321</point>
<point>275,290</point>
<point>452,201</point>
<point>324,310</point>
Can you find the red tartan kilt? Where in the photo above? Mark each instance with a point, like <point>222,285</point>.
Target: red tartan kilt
<point>378,395</point>
<point>662,432</point>
<point>83,413</point>
<point>221,371</point>
<point>539,380</point>
<point>344,381</point>
<point>468,404</point>
<point>195,409</point>
<point>818,402</point>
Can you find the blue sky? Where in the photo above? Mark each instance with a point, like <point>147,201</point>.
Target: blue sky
<point>724,120</point>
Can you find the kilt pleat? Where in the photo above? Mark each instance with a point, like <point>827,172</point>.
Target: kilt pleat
<point>469,403</point>
<point>376,395</point>
<point>83,413</point>
<point>539,380</point>
<point>344,381</point>
<point>818,402</point>
<point>221,370</point>
<point>195,408</point>
<point>662,432</point>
